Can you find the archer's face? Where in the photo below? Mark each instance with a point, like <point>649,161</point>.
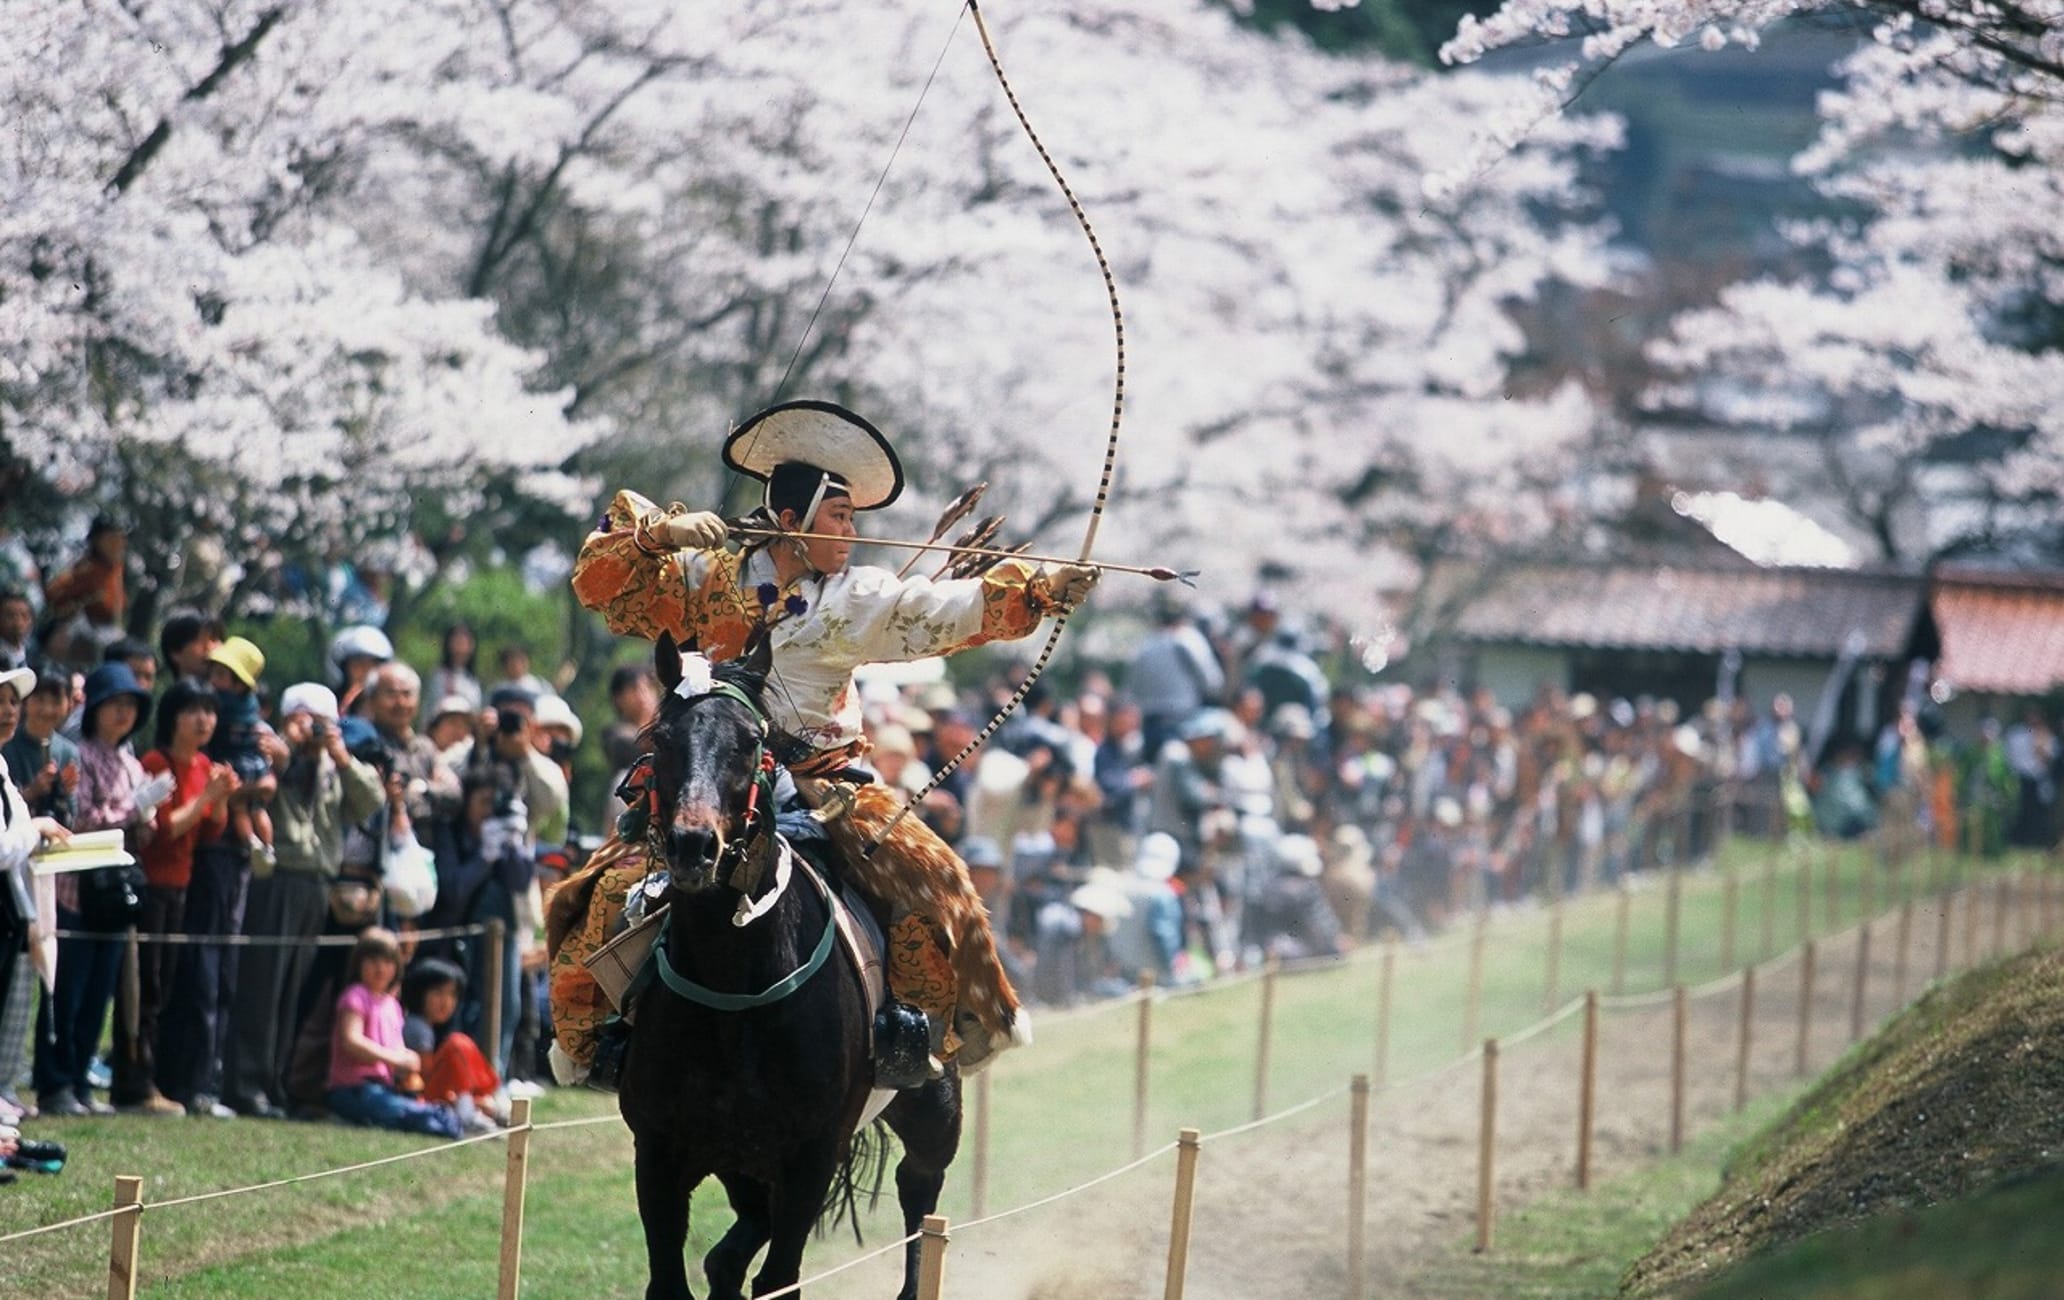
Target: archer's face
<point>834,517</point>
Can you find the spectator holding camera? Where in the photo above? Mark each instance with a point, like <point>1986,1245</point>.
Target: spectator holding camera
<point>430,786</point>
<point>484,864</point>
<point>322,790</point>
<point>506,739</point>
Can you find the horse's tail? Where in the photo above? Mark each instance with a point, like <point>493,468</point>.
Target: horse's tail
<point>861,1173</point>
<point>915,871</point>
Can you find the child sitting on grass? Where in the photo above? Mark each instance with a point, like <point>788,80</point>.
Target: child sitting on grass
<point>367,1053</point>
<point>455,1072</point>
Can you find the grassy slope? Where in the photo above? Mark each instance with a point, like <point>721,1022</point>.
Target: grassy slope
<point>1960,1093</point>
<point>437,1218</point>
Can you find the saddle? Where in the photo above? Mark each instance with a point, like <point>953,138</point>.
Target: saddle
<point>900,1046</point>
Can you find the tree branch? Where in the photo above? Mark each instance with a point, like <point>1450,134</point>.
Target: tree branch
<point>227,62</point>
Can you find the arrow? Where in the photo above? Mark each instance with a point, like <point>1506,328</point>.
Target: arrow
<point>1187,577</point>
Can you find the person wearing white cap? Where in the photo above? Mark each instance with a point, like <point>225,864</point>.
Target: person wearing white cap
<point>20,835</point>
<point>651,572</point>
<point>322,790</point>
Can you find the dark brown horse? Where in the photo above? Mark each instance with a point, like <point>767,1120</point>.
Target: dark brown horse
<point>750,1060</point>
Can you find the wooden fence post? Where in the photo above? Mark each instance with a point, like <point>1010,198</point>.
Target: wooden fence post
<point>1673,902</point>
<point>1730,896</point>
<point>1973,893</point>
<point>1942,932</point>
<point>1472,1003</point>
<point>1831,877</point>
<point>1587,1090</point>
<point>1805,1003</point>
<point>1858,1004</point>
<point>1805,882</point>
<point>1554,954</point>
<point>1268,1029</point>
<point>1901,945</point>
<point>2001,892</point>
<point>1745,1035</point>
<point>515,1175</point>
<point>1769,907</point>
<point>127,1237</point>
<point>978,1184</point>
<point>1680,1014</point>
<point>1186,1147</point>
<point>1486,1164</point>
<point>1623,907</point>
<point>1383,986</point>
<point>1139,1066</point>
<point>497,935</point>
<point>1357,1187</point>
<point>931,1257</point>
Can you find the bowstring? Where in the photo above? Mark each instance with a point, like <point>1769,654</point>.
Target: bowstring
<point>732,475</point>
<point>1103,491</point>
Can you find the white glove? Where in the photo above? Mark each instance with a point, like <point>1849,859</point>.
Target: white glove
<point>700,529</point>
<point>1070,583</point>
<point>152,793</point>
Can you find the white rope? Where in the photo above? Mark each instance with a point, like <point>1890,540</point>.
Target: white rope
<point>266,940</point>
<point>577,1123</point>
<point>796,1286</point>
<point>1079,1188</point>
<point>496,1136</point>
<point>1544,1024</point>
<point>1266,1120</point>
<point>68,1223</point>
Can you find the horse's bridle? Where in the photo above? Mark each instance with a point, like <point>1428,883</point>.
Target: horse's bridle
<point>742,853</point>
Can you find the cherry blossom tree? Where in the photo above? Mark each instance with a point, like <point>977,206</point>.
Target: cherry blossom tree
<point>306,276</point>
<point>1928,356</point>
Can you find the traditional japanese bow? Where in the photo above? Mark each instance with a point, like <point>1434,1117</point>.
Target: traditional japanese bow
<point>1103,492</point>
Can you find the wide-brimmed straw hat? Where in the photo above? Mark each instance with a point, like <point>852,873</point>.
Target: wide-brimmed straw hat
<point>824,436</point>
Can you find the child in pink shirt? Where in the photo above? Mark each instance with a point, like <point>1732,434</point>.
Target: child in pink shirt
<point>366,1048</point>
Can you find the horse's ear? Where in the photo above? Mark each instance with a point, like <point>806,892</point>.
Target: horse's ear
<point>758,659</point>
<point>666,661</point>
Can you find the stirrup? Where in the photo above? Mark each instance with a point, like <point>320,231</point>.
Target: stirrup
<point>606,1074</point>
<point>902,1047</point>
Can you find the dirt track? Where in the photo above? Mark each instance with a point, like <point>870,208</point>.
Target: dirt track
<point>1271,1204</point>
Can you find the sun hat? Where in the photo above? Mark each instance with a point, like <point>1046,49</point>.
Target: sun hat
<point>112,681</point>
<point>1102,894</point>
<point>23,680</point>
<point>244,660</point>
<point>554,711</point>
<point>849,451</point>
<point>1158,856</point>
<point>363,641</point>
<point>312,698</point>
<point>449,705</point>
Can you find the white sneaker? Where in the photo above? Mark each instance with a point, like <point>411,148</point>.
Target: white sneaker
<point>524,1089</point>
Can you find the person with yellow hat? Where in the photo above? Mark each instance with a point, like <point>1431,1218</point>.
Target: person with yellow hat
<point>650,571</point>
<point>234,670</point>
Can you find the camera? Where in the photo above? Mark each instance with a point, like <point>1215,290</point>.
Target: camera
<point>508,721</point>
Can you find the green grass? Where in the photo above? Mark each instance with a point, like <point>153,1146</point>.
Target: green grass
<point>1062,1112</point>
<point>1957,1103</point>
<point>1573,1245</point>
<point>1999,1245</point>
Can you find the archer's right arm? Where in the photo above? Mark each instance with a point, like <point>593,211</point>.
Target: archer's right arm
<point>630,572</point>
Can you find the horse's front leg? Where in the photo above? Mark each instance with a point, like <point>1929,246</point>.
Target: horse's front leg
<point>793,1207</point>
<point>663,1193</point>
<point>726,1264</point>
<point>927,1121</point>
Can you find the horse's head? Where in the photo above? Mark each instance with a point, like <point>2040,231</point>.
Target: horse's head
<point>712,771</point>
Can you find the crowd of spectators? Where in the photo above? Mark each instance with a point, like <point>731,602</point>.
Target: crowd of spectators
<point>1217,800</point>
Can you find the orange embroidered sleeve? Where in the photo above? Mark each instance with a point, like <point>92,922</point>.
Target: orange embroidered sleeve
<point>1015,597</point>
<point>691,594</point>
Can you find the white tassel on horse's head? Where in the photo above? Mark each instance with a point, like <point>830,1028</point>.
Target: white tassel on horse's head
<point>696,678</point>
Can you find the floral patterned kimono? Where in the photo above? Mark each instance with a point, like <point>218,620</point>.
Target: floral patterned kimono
<point>942,957</point>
